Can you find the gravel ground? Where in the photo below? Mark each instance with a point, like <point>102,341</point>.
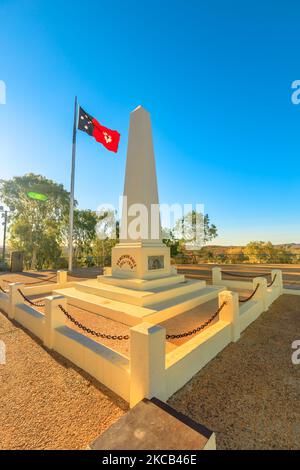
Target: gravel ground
<point>249,394</point>
<point>47,402</point>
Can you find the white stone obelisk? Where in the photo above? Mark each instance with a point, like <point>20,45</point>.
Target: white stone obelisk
<point>140,253</point>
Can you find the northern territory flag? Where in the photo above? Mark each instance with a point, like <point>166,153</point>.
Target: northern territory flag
<point>109,138</point>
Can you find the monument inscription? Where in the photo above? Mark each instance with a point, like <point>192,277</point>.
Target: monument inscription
<point>126,260</point>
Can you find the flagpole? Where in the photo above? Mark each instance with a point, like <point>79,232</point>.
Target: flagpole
<point>71,213</point>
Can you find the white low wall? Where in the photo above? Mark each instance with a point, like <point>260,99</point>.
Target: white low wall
<point>291,291</point>
<point>249,312</point>
<point>107,366</point>
<point>4,302</point>
<point>149,371</point>
<point>186,360</point>
<point>234,284</point>
<point>272,294</point>
<point>31,319</point>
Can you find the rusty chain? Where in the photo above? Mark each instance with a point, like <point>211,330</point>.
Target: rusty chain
<point>244,275</point>
<point>250,296</point>
<point>271,283</point>
<point>126,337</point>
<point>32,283</point>
<point>35,304</point>
<point>89,330</point>
<point>199,328</point>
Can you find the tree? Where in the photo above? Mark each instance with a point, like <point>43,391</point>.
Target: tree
<point>170,240</point>
<point>236,255</point>
<point>194,230</point>
<point>108,229</point>
<point>36,226</point>
<point>261,252</point>
<point>195,227</point>
<point>84,233</point>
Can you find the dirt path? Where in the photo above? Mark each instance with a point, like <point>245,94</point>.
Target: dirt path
<point>250,393</point>
<point>47,402</point>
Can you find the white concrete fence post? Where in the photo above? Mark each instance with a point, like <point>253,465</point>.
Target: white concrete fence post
<point>216,275</point>
<point>147,362</point>
<point>14,298</point>
<point>231,312</point>
<point>261,293</point>
<point>278,281</point>
<point>62,277</point>
<point>54,317</point>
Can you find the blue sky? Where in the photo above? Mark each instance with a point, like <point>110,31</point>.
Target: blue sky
<point>216,77</point>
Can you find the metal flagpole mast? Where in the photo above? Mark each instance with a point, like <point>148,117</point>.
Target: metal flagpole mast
<point>4,235</point>
<point>71,214</point>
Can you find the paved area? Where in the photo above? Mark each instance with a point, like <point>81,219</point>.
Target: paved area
<point>46,401</point>
<point>250,393</point>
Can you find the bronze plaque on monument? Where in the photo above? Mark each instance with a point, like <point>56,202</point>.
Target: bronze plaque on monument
<point>155,262</point>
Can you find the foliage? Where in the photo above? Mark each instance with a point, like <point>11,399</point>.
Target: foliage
<point>265,252</point>
<point>188,235</point>
<point>36,226</point>
<point>108,228</point>
<point>84,234</point>
<point>195,227</point>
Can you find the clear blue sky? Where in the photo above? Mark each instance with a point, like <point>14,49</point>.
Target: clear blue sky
<point>216,77</point>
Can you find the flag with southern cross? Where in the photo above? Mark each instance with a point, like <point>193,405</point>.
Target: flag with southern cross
<point>107,137</point>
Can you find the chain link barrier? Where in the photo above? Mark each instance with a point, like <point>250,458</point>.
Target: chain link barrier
<point>126,337</point>
<point>3,290</point>
<point>89,330</point>
<point>32,283</point>
<point>250,296</point>
<point>244,275</point>
<point>271,283</point>
<point>199,328</point>
<point>34,304</point>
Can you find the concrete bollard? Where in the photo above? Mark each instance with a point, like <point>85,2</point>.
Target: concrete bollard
<point>278,281</point>
<point>216,275</point>
<point>261,293</point>
<point>14,298</point>
<point>62,277</point>
<point>54,317</point>
<point>231,312</point>
<point>147,362</point>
